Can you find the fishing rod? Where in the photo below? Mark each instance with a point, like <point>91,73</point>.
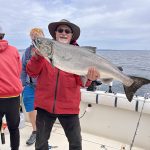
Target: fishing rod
<point>146,96</point>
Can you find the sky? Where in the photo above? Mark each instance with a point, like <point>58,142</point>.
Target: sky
<point>106,24</point>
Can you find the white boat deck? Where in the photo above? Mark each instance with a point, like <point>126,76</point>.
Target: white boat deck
<point>106,126</point>
<point>90,142</point>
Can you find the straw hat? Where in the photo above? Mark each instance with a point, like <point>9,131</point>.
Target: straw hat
<point>75,29</point>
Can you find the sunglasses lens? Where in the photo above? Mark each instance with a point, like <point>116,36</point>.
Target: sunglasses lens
<point>60,30</point>
<point>67,31</point>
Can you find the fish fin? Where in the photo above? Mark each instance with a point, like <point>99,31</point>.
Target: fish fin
<point>50,60</point>
<point>90,48</point>
<point>106,80</point>
<point>138,82</point>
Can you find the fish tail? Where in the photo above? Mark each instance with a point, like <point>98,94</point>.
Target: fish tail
<point>138,82</point>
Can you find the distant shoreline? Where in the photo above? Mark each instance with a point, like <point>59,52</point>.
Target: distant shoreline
<point>119,50</point>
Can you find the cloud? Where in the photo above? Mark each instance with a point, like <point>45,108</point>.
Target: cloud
<point>106,24</point>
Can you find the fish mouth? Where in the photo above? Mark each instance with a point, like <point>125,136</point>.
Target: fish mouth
<point>34,43</point>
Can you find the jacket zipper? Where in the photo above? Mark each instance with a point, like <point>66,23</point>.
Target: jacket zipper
<point>55,91</point>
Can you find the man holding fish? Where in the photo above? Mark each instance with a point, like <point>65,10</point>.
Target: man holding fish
<point>58,92</point>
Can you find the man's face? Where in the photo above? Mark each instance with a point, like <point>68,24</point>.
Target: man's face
<point>35,35</point>
<point>63,34</point>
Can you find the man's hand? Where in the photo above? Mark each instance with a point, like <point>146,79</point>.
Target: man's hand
<point>35,52</point>
<point>93,74</point>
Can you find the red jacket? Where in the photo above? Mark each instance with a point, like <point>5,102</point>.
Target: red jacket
<point>10,70</point>
<point>56,91</point>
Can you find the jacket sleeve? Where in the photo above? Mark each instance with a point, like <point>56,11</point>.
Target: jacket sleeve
<point>24,73</point>
<point>82,81</point>
<point>19,63</point>
<point>34,66</point>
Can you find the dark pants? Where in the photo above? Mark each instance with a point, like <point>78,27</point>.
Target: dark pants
<point>10,108</point>
<point>70,124</point>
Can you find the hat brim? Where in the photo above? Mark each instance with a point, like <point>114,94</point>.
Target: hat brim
<point>75,29</point>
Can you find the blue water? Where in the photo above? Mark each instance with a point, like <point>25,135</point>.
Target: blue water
<point>135,63</point>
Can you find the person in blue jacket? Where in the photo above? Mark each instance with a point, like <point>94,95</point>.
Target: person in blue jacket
<point>29,85</point>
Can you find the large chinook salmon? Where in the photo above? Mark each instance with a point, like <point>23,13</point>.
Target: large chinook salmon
<point>77,60</point>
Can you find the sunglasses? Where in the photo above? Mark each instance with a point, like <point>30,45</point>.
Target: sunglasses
<point>67,31</point>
